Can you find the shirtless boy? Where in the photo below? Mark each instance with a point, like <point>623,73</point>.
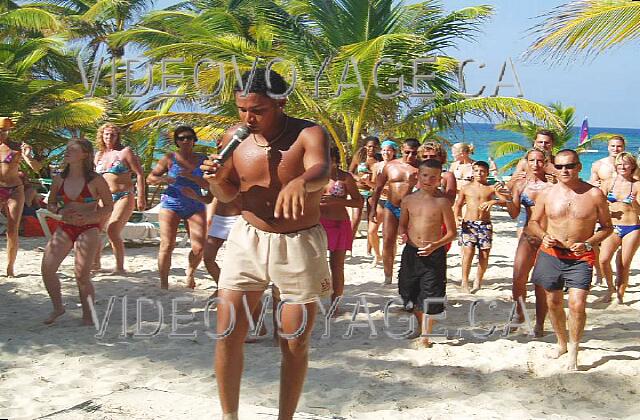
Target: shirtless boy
<point>476,229</point>
<point>279,173</point>
<point>400,176</point>
<point>423,268</point>
<point>566,258</point>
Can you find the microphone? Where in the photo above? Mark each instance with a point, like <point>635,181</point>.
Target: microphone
<point>241,133</point>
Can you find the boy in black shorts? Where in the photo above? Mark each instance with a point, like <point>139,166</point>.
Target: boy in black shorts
<point>423,268</point>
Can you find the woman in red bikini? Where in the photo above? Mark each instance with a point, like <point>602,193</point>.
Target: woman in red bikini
<point>11,191</point>
<point>341,192</point>
<point>75,196</point>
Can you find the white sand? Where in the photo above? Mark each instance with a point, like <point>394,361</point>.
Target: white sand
<point>63,371</point>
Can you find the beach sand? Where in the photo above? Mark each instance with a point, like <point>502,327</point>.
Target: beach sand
<point>64,372</point>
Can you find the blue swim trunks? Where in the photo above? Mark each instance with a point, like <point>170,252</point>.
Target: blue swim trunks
<point>395,210</point>
<point>476,233</point>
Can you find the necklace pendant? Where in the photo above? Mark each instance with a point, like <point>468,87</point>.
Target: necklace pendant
<point>268,151</point>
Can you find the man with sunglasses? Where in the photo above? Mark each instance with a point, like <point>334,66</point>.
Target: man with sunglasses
<point>564,218</point>
<point>279,172</point>
<point>400,176</point>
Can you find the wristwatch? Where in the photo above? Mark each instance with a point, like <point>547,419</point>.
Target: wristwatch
<point>588,246</point>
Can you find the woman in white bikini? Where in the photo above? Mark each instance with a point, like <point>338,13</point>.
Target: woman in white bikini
<point>462,166</point>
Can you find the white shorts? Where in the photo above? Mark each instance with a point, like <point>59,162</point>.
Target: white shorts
<point>221,225</point>
<point>295,262</point>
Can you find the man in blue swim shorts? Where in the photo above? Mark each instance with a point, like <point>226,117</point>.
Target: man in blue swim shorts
<point>400,176</point>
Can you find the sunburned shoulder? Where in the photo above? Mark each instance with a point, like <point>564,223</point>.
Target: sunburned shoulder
<point>310,130</point>
<point>396,162</point>
<point>344,175</point>
<point>593,190</point>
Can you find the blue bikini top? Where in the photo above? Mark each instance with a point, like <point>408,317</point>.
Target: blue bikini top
<point>611,196</point>
<point>362,167</point>
<point>526,201</point>
<point>117,167</point>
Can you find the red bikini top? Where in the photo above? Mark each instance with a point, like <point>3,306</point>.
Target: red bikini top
<point>84,196</point>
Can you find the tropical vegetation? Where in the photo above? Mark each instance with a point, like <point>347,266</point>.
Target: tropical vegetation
<point>528,130</point>
<point>586,28</point>
<point>46,92</point>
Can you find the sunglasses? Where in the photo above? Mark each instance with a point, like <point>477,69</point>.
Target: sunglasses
<point>186,138</point>
<point>425,157</point>
<point>410,153</point>
<point>566,166</point>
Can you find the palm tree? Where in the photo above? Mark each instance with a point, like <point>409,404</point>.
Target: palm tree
<point>39,78</point>
<point>305,33</point>
<point>88,23</point>
<point>528,129</point>
<point>587,27</point>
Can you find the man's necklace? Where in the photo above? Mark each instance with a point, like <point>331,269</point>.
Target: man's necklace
<point>267,147</point>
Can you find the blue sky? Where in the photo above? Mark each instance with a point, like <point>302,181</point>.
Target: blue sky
<point>604,89</point>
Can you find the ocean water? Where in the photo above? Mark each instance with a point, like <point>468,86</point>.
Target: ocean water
<point>481,135</point>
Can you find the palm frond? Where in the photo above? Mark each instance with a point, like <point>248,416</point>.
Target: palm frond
<point>495,107</point>
<point>80,113</point>
<point>506,148</point>
<point>586,27</point>
<point>174,118</point>
<point>604,137</point>
<point>510,165</point>
<point>30,19</point>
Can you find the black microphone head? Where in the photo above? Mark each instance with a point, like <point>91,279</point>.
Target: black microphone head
<point>242,132</point>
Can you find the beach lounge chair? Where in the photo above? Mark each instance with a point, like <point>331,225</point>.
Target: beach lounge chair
<point>133,231</point>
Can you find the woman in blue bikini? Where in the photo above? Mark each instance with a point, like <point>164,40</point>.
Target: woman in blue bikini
<point>182,200</point>
<point>623,194</point>
<point>116,163</point>
<point>524,192</point>
<point>361,168</point>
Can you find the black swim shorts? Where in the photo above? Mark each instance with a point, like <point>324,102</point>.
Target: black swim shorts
<point>423,277</point>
